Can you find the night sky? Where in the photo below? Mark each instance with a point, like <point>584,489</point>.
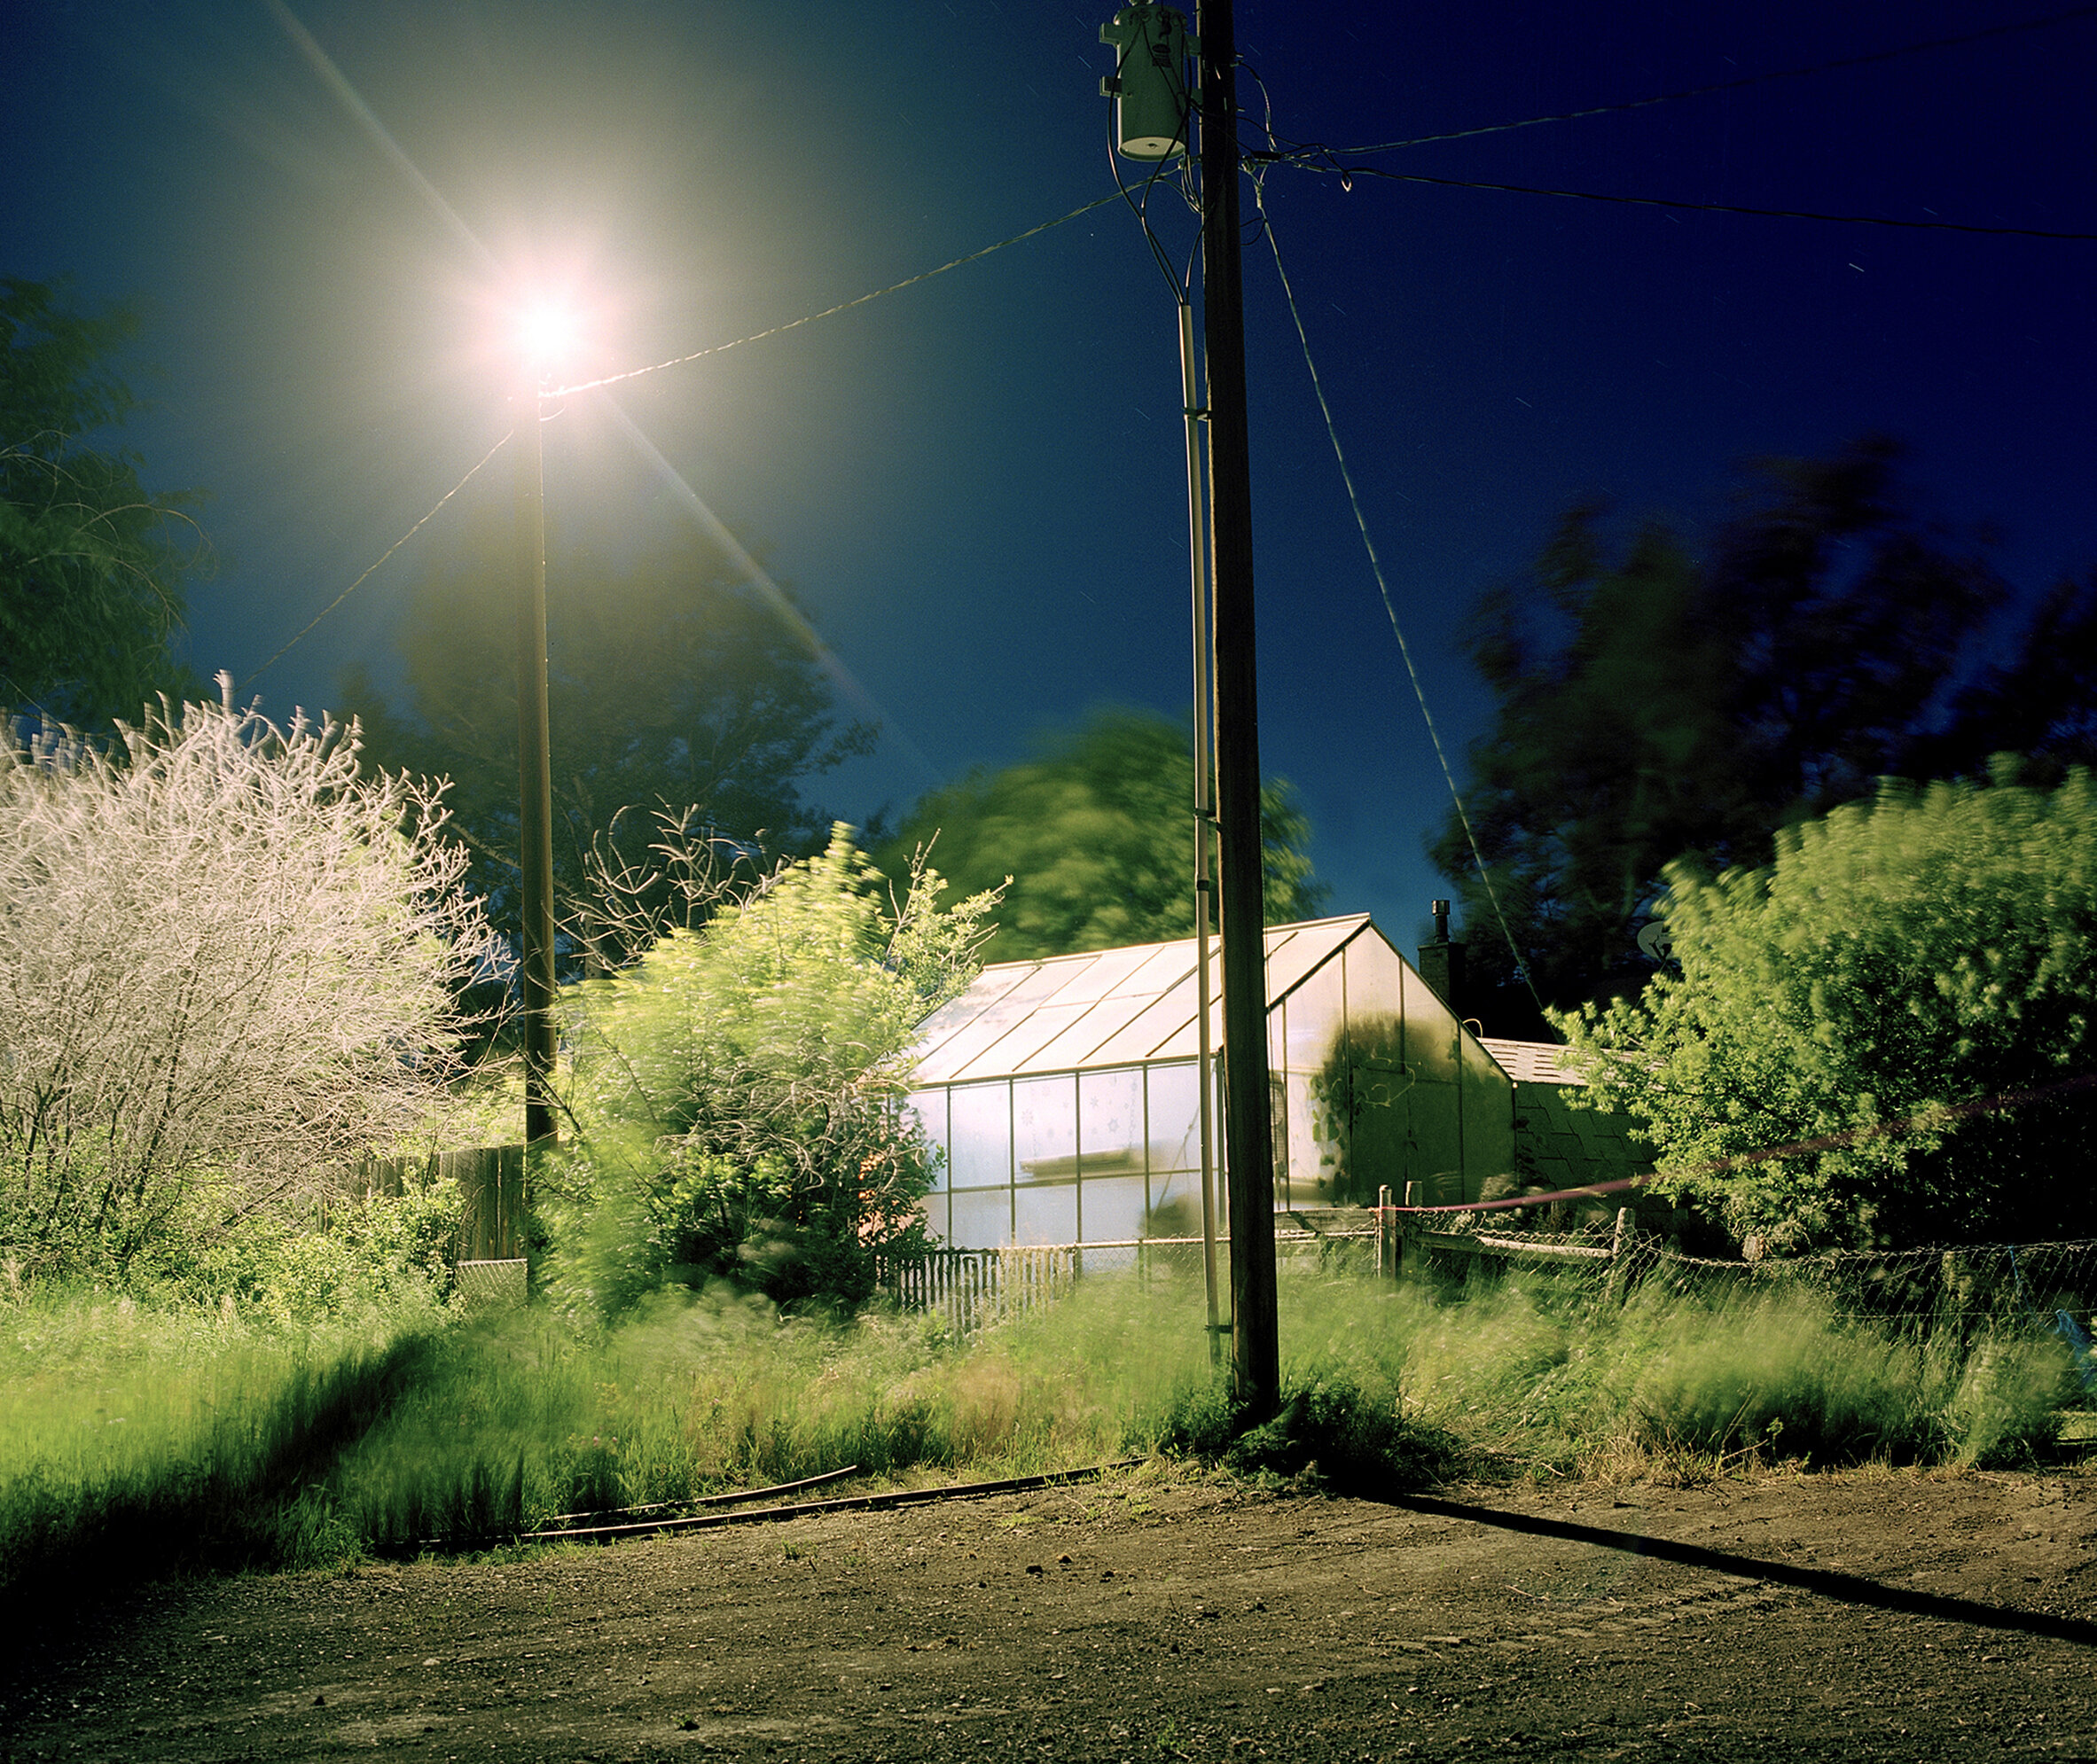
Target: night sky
<point>976,484</point>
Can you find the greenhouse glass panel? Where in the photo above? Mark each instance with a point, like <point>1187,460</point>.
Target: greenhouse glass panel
<point>1112,1208</point>
<point>934,1208</point>
<point>979,1145</point>
<point>1431,1032</point>
<point>1375,1000</point>
<point>1110,1123</point>
<point>1175,1130</point>
<point>981,1221</point>
<point>929,1107</point>
<point>1046,1212</point>
<point>1045,1127</point>
<point>1175,1206</point>
<point>1489,1119</point>
<point>1316,1015</point>
<point>1310,1181</point>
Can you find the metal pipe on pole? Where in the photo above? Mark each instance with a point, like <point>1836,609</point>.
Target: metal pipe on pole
<point>534,765</point>
<point>1248,1142</point>
<point>1204,803</point>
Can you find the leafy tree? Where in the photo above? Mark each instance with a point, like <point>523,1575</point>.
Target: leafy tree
<point>227,964</point>
<point>2040,705</point>
<point>92,567</point>
<point>670,686</point>
<point>737,1093</point>
<point>1903,998</point>
<point>1096,836</point>
<point>1659,703</point>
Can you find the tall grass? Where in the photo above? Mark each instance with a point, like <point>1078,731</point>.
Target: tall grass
<point>520,1419</point>
<point>135,1440</point>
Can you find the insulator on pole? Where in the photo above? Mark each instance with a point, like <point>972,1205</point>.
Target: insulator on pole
<point>1153,95</point>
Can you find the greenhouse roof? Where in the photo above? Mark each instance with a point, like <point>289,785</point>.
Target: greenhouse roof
<point>1106,1007</point>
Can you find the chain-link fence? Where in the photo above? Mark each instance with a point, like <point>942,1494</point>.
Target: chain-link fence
<point>1966,1290</point>
<point>974,1288</point>
<point>1953,1294</point>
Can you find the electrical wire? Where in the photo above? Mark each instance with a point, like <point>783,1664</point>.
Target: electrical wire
<point>383,555</point>
<point>1140,206</point>
<point>1390,611</point>
<point>2068,17</point>
<point>1348,173</point>
<point>843,305</point>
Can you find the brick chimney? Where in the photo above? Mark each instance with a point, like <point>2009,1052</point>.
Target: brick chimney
<point>1442,962</point>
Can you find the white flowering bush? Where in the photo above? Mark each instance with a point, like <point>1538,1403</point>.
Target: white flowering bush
<point>229,965</point>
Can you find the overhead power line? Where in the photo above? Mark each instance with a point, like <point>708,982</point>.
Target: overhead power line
<point>843,305</point>
<point>1361,522</point>
<point>1696,208</point>
<point>1746,80</point>
<point>383,555</point>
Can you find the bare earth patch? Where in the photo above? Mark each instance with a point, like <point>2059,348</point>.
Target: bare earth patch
<point>1155,1615</point>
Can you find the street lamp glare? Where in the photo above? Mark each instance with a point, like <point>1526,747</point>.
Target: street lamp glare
<point>546,334</point>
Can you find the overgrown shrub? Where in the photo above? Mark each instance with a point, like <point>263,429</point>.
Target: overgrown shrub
<point>1886,1037</point>
<point>369,1257</point>
<point>227,967</point>
<point>737,1094</point>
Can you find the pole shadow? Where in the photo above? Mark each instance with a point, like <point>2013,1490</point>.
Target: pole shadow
<point>1824,1582</point>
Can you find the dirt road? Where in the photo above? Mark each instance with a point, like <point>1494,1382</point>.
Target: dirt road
<point>1156,1616</point>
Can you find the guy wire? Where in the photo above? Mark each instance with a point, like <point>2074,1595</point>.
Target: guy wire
<point>1390,611</point>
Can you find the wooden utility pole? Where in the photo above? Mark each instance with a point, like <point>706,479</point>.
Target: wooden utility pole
<point>1248,1141</point>
<point>534,766</point>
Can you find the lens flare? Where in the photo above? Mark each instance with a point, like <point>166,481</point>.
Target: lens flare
<point>547,335</point>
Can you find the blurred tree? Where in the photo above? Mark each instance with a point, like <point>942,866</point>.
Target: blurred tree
<point>1883,1038</point>
<point>672,689</point>
<point>1659,704</point>
<point>737,1094</point>
<point>91,567</point>
<point>2040,705</point>
<point>1097,834</point>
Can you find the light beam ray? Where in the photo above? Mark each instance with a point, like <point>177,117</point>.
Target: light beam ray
<point>774,597</point>
<point>346,94</point>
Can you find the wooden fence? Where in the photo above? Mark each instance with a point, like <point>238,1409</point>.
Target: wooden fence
<point>490,1181</point>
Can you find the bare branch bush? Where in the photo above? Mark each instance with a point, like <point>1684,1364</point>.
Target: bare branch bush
<point>687,874</point>
<point>229,965</point>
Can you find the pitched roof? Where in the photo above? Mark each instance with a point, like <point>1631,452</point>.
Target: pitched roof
<point>1530,1062</point>
<point>1105,1007</point>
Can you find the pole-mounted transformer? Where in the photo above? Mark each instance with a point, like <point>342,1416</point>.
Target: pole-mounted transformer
<point>1149,84</point>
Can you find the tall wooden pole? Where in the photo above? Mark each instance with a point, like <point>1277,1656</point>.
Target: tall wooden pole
<point>1248,1143</point>
<point>534,767</point>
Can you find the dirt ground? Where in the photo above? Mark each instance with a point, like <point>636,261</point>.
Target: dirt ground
<point>1152,1616</point>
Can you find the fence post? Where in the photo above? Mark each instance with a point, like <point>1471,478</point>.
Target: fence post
<point>1386,1229</point>
<point>1620,1255</point>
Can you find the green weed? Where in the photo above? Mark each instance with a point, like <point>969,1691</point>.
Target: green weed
<point>136,1440</point>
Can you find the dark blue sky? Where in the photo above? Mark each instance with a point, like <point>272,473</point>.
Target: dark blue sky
<point>976,484</point>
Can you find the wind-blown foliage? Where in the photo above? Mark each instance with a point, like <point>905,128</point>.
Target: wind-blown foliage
<point>227,967</point>
<point>1096,837</point>
<point>91,565</point>
<point>737,1094</point>
<point>1906,995</point>
<point>1663,700</point>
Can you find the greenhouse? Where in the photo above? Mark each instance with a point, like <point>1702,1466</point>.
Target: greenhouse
<point>1063,1094</point>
